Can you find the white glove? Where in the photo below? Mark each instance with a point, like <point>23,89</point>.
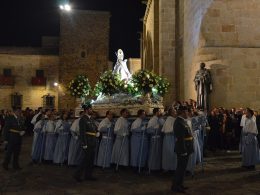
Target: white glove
<point>97,134</point>
<point>76,137</point>
<point>124,134</point>
<point>184,154</point>
<point>85,147</point>
<point>22,133</point>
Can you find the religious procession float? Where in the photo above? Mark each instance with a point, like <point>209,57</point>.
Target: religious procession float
<point>119,89</point>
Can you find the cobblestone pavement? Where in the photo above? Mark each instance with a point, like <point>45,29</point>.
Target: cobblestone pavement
<point>222,175</point>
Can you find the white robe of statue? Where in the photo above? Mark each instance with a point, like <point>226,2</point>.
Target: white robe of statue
<point>121,67</point>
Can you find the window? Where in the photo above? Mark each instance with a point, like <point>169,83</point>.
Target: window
<point>48,101</point>
<point>39,73</point>
<point>7,72</point>
<point>83,54</point>
<point>16,100</point>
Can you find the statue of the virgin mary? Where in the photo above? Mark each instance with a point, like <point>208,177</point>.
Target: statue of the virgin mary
<point>121,66</point>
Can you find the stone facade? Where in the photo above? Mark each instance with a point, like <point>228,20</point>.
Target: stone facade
<point>134,65</point>
<point>84,49</point>
<point>158,41</point>
<point>215,32</point>
<point>23,67</point>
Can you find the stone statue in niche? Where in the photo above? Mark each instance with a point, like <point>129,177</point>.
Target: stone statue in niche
<point>121,66</point>
<point>203,86</point>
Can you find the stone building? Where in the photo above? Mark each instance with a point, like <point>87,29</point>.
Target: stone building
<point>179,34</point>
<point>27,75</point>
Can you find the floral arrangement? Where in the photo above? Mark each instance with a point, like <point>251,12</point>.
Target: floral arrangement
<point>108,84</point>
<point>144,81</point>
<point>162,86</point>
<point>79,87</point>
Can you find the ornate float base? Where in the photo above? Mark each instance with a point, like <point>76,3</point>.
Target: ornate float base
<point>101,109</point>
<point>119,101</point>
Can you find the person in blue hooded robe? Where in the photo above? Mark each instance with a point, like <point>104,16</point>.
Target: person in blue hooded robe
<point>154,130</point>
<point>169,157</point>
<point>75,152</point>
<point>51,138</point>
<point>62,145</point>
<point>106,144</point>
<point>39,145</point>
<point>194,123</point>
<point>139,141</point>
<point>120,152</point>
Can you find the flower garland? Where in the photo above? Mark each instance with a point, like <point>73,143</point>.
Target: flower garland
<point>79,87</point>
<point>144,81</point>
<point>108,84</point>
<point>162,86</point>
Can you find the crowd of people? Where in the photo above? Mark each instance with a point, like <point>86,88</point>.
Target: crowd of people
<point>158,142</point>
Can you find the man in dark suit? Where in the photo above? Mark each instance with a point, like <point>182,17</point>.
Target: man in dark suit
<point>88,136</point>
<point>183,148</point>
<point>13,132</point>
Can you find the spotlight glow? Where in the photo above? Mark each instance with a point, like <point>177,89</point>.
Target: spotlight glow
<point>61,7</point>
<point>67,7</point>
<point>56,84</point>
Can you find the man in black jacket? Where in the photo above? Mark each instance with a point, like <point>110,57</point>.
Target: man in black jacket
<point>183,148</point>
<point>88,134</point>
<point>13,132</point>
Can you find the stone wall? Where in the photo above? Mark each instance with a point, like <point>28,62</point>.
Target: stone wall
<point>236,77</point>
<point>159,41</point>
<point>232,23</point>
<point>231,51</point>
<point>194,11</point>
<point>167,46</point>
<point>150,39</point>
<point>134,65</point>
<point>23,69</point>
<point>84,48</point>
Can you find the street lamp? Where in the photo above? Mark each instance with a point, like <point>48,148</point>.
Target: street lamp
<point>65,7</point>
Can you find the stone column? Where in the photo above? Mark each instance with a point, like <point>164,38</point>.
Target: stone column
<point>167,45</point>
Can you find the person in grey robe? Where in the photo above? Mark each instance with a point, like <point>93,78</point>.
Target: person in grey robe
<point>250,149</point>
<point>120,152</point>
<point>106,144</point>
<point>154,130</point>
<point>139,141</point>
<point>169,157</point>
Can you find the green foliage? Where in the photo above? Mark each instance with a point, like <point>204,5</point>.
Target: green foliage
<point>108,84</point>
<point>162,85</point>
<point>144,81</point>
<point>79,87</point>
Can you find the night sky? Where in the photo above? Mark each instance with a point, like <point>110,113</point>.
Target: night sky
<point>23,22</point>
